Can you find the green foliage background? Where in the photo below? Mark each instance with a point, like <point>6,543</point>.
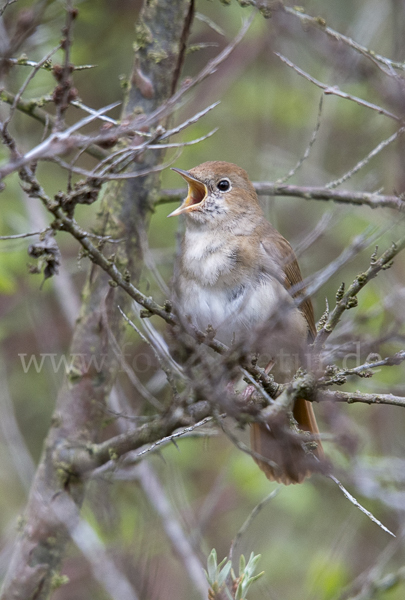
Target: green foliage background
<point>312,540</point>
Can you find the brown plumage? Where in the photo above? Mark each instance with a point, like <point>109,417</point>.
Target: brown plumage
<point>234,273</point>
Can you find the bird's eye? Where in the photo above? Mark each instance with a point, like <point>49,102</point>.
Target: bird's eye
<point>223,185</point>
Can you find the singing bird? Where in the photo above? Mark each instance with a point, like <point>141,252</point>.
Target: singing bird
<point>236,273</point>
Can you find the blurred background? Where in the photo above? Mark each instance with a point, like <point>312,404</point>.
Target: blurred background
<point>314,543</point>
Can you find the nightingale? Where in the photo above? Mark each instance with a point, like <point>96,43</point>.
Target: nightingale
<point>235,273</point>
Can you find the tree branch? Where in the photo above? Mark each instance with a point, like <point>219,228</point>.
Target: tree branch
<point>373,200</point>
<point>348,300</point>
<point>352,397</point>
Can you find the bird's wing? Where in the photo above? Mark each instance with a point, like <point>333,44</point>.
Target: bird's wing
<point>293,464</point>
<point>279,251</point>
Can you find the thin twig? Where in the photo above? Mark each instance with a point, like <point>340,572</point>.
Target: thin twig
<point>153,435</point>
<point>18,236</point>
<point>92,111</point>
<point>307,152</point>
<point>157,497</point>
<point>365,160</point>
<point>56,143</point>
<point>31,108</point>
<point>13,439</point>
<point>208,70</point>
<point>359,506</point>
<point>314,282</point>
<point>335,91</point>
<point>133,378</point>
<point>352,397</point>
<point>315,233</point>
<point>389,361</point>
<point>265,188</point>
<point>349,299</point>
<point>5,5</point>
<point>158,345</point>
<point>26,83</point>
<point>320,24</point>
<point>200,17</point>
<point>250,518</point>
<point>190,121</point>
<point>24,62</point>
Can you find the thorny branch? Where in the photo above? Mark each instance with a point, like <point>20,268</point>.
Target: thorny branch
<point>348,300</point>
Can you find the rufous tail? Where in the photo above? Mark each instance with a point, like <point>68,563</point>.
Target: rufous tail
<point>288,461</point>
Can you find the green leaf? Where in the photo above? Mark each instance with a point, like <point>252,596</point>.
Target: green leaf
<point>212,566</point>
<point>223,561</point>
<point>224,573</point>
<point>248,582</point>
<point>242,565</point>
<point>238,595</point>
<point>251,566</point>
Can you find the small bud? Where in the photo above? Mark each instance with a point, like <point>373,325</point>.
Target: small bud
<point>168,306</point>
<point>340,292</point>
<point>323,320</point>
<point>352,302</point>
<point>373,258</point>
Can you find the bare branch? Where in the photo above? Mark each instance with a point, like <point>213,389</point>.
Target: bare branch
<point>18,236</point>
<point>208,70</point>
<point>180,543</point>
<point>349,299</point>
<point>154,434</point>
<point>335,91</point>
<point>373,200</point>
<point>22,89</point>
<point>250,518</point>
<point>56,143</point>
<point>31,108</point>
<point>314,282</point>
<point>351,397</point>
<point>365,369</point>
<point>359,506</point>
<point>5,5</point>
<point>307,152</point>
<point>365,160</point>
<point>24,62</point>
<point>320,24</point>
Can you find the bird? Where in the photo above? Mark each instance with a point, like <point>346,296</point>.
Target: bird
<point>238,275</point>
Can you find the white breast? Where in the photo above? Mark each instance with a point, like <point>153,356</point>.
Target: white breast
<point>253,307</point>
<point>205,257</point>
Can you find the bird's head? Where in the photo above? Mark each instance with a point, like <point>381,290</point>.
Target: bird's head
<point>217,191</point>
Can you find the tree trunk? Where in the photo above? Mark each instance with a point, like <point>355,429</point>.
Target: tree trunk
<point>161,33</point>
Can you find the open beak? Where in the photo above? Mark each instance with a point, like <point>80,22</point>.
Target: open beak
<point>197,192</point>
